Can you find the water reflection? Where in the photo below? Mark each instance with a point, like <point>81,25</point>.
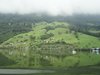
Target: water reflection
<point>61,74</point>
<point>42,72</point>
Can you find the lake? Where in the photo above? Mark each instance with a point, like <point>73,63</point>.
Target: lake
<point>44,72</point>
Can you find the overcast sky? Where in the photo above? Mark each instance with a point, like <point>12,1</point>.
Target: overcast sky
<point>53,7</point>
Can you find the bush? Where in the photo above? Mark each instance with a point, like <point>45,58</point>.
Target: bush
<point>46,36</point>
<point>49,28</point>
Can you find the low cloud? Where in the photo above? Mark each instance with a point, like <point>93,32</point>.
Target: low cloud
<point>52,7</point>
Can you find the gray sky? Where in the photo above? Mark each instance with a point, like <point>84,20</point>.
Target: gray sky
<point>53,7</point>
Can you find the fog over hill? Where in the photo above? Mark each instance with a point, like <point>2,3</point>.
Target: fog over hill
<point>52,7</point>
<point>18,16</point>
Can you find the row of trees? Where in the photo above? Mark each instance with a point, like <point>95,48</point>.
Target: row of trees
<point>85,29</point>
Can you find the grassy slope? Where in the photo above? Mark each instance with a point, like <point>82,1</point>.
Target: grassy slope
<point>60,33</point>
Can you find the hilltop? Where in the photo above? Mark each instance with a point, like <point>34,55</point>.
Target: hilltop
<point>14,24</point>
<point>44,32</point>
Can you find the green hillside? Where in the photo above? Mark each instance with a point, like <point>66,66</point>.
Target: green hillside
<point>48,44</point>
<point>54,32</point>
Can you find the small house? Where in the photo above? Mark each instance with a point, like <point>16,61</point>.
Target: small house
<point>95,50</point>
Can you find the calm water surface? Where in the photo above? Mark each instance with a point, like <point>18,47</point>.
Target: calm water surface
<point>39,72</point>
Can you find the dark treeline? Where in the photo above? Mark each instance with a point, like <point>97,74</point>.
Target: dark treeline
<point>13,24</point>
<point>86,29</point>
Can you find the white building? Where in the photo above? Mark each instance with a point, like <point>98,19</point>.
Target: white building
<point>74,52</point>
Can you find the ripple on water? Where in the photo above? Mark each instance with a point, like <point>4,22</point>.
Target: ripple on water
<point>23,71</point>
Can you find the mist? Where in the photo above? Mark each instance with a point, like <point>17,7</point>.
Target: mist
<point>52,7</point>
